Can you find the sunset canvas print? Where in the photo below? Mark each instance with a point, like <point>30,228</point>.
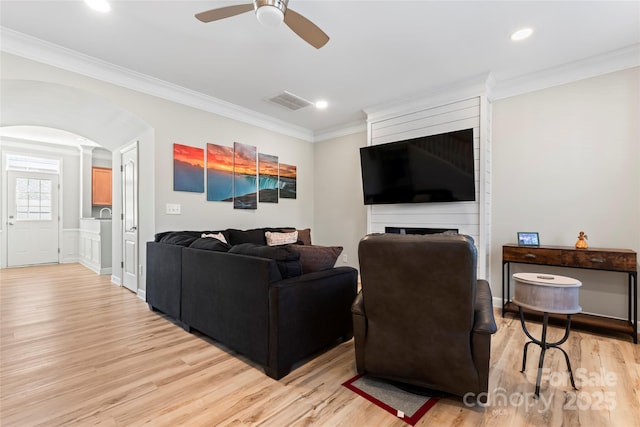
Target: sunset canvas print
<point>267,178</point>
<point>188,168</point>
<point>288,181</point>
<point>244,176</point>
<point>219,173</point>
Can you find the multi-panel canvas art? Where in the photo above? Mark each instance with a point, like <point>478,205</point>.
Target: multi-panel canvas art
<point>288,181</point>
<point>188,168</point>
<point>237,174</point>
<point>219,173</point>
<point>244,176</point>
<point>267,178</point>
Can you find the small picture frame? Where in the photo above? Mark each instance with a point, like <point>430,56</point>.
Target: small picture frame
<point>528,238</point>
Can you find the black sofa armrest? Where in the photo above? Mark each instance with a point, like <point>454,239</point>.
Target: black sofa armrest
<point>307,314</point>
<point>484,321</point>
<point>164,278</point>
<point>226,296</point>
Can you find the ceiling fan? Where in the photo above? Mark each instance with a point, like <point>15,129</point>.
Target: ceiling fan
<point>271,13</point>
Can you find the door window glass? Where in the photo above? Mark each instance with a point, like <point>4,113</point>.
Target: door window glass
<point>33,199</point>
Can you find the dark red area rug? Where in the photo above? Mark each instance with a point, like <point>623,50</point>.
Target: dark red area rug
<point>407,406</point>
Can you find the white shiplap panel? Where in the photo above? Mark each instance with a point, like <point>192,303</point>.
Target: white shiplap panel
<point>429,124</point>
<point>464,216</point>
<point>428,112</point>
<point>424,208</point>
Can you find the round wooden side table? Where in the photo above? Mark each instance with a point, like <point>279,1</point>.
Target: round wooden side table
<point>547,293</point>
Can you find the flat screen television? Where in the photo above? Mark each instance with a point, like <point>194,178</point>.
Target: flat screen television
<point>435,168</point>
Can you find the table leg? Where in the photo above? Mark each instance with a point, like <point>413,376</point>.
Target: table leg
<point>544,345</point>
<point>543,349</point>
<point>505,297</point>
<point>634,297</point>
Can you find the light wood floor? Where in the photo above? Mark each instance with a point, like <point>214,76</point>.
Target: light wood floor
<point>77,350</point>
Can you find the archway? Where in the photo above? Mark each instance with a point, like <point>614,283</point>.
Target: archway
<point>37,103</point>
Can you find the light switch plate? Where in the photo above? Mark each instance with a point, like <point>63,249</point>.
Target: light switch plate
<point>173,209</point>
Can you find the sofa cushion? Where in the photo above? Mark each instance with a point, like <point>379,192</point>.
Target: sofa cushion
<point>288,261</point>
<point>237,237</point>
<point>275,238</point>
<point>180,238</point>
<point>317,258</point>
<point>210,244</point>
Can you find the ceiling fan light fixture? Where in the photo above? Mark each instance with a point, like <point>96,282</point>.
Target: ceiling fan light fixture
<point>270,16</point>
<point>270,13</point>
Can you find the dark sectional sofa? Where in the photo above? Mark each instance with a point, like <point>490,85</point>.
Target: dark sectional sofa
<point>261,301</point>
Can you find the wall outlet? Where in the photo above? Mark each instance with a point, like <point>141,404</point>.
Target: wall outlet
<point>344,258</point>
<point>173,209</point>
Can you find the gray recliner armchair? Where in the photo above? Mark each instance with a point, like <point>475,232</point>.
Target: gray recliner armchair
<point>422,317</point>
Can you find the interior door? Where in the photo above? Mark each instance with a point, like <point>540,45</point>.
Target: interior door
<point>130,218</point>
<point>33,218</point>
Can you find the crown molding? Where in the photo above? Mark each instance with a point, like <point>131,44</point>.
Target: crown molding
<point>494,89</point>
<point>609,62</point>
<point>472,87</point>
<point>340,131</point>
<point>22,45</point>
<point>25,46</point>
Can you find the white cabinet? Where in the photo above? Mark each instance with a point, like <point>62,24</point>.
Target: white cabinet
<point>95,244</point>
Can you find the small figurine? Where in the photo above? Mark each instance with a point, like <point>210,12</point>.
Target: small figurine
<point>582,241</point>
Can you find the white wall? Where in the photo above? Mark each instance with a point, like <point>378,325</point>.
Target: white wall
<point>567,159</point>
<point>340,214</point>
<point>175,123</point>
<point>182,125</point>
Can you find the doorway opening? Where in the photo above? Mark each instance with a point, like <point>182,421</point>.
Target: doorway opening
<point>33,225</point>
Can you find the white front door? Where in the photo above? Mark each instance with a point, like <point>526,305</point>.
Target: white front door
<point>130,218</point>
<point>33,219</point>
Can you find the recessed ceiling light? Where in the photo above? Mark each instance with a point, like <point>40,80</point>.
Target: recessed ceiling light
<point>321,105</point>
<point>99,5</point>
<point>521,34</point>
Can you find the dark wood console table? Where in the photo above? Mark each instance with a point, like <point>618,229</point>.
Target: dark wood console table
<point>619,260</point>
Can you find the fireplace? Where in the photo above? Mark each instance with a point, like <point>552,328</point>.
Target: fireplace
<point>418,230</point>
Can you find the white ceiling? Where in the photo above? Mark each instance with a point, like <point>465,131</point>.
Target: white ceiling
<point>379,51</point>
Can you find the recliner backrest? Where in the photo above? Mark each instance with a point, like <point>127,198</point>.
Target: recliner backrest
<point>406,278</point>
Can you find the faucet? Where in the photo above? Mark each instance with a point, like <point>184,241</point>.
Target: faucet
<point>108,209</point>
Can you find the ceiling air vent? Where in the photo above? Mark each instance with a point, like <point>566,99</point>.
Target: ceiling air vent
<point>290,101</point>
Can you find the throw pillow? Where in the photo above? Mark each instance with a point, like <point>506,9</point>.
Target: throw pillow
<point>210,244</point>
<point>317,258</point>
<point>218,236</point>
<point>276,239</point>
<point>305,236</point>
<point>287,260</point>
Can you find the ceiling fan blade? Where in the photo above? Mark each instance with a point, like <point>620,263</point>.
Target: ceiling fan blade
<point>306,29</point>
<point>223,12</point>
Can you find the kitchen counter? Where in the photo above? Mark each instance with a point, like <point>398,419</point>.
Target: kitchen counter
<point>95,244</point>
